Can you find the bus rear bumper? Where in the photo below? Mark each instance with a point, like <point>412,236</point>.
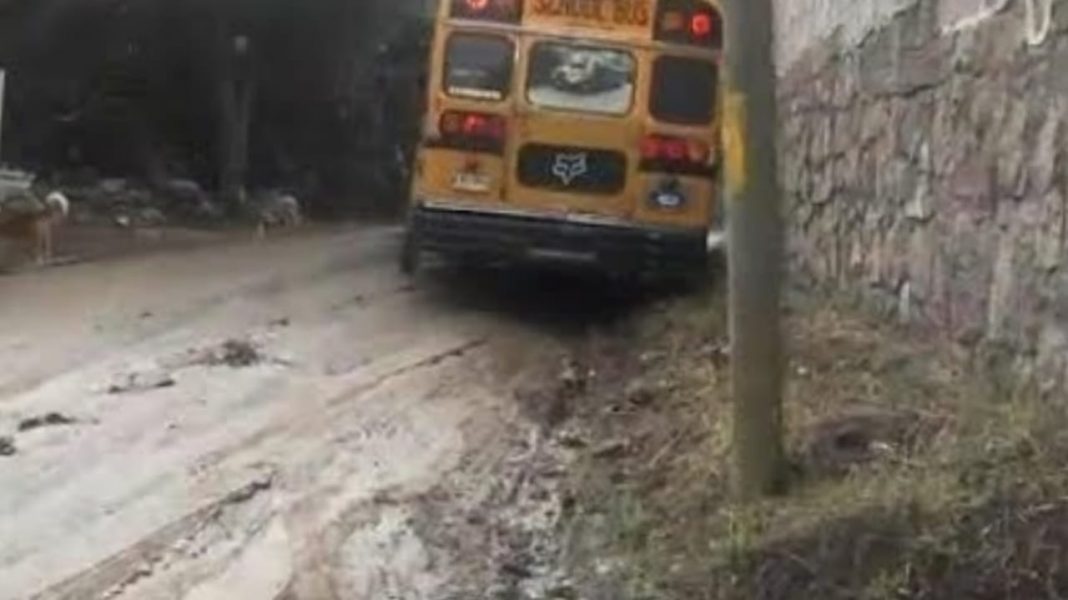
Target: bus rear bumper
<point>615,247</point>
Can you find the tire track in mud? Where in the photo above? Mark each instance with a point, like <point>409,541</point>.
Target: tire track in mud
<point>316,545</point>
<point>405,541</point>
<point>510,519</point>
<point>488,529</point>
<point>312,420</point>
<point>112,577</point>
<point>319,571</point>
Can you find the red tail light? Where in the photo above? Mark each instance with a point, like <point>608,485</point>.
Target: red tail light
<point>503,11</point>
<point>479,132</point>
<point>671,154</point>
<point>675,150</point>
<point>690,22</point>
<point>701,25</point>
<point>650,147</point>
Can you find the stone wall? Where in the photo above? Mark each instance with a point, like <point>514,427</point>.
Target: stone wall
<point>803,24</point>
<point>924,164</point>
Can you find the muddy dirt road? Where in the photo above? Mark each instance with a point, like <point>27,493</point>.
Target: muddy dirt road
<point>251,420</point>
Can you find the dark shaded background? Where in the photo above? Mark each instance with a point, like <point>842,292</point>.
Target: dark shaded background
<point>130,88</point>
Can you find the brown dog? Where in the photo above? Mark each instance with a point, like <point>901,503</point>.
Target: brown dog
<point>33,224</point>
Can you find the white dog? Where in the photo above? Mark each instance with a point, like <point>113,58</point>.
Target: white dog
<point>29,220</point>
<point>279,211</point>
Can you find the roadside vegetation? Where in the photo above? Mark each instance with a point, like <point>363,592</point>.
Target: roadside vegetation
<point>919,470</point>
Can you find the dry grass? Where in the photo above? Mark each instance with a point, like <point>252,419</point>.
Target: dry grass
<point>916,475</point>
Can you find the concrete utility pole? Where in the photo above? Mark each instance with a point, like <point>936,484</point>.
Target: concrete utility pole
<point>756,249</point>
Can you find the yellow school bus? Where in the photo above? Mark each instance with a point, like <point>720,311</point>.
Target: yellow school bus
<point>581,131</point>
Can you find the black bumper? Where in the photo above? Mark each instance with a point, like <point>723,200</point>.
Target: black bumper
<point>490,237</point>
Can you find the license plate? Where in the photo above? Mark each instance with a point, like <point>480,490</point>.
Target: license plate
<point>469,182</point>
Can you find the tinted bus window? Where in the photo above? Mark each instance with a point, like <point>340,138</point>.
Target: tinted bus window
<point>683,91</point>
<point>581,78</point>
<point>478,66</point>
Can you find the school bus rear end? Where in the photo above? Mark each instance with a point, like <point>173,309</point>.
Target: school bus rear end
<point>575,131</point>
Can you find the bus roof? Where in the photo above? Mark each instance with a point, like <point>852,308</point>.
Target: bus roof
<point>691,22</point>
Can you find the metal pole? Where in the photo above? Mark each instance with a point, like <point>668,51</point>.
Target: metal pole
<point>755,232</point>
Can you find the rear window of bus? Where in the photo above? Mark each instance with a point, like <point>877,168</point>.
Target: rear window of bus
<point>683,90</point>
<point>478,66</point>
<point>581,78</point>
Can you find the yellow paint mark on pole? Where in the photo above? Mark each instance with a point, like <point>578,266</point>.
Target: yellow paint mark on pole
<point>735,146</point>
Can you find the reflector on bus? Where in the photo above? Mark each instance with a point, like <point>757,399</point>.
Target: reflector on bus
<point>691,22</point>
<point>500,11</point>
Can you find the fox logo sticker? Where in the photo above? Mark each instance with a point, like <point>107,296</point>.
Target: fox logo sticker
<point>569,167</point>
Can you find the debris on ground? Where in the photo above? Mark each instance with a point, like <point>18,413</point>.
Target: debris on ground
<point>232,353</point>
<point>7,446</point>
<point>550,406</point>
<point>251,490</point>
<point>235,354</point>
<point>14,183</point>
<point>570,438</point>
<point>512,519</point>
<point>641,392</point>
<point>133,204</point>
<point>53,419</point>
<point>855,437</point>
<point>574,377</point>
<point>611,449</point>
<point>142,381</point>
